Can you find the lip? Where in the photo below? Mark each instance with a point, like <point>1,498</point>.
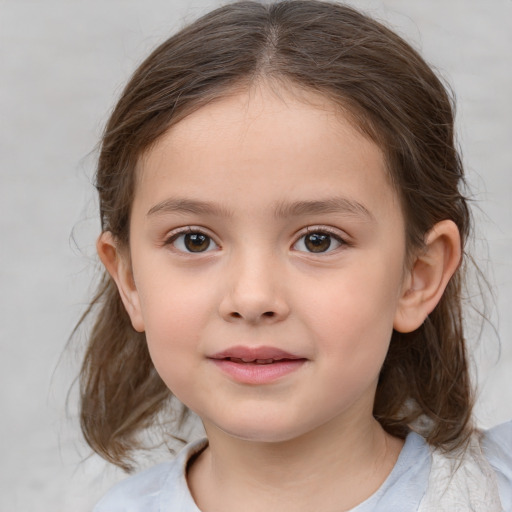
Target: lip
<point>256,365</point>
<point>254,353</point>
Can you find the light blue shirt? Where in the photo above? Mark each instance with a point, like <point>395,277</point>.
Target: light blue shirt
<point>163,488</point>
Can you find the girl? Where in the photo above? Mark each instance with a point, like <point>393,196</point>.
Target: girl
<point>283,229</point>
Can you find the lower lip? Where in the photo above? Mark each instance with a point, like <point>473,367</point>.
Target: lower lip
<point>250,373</point>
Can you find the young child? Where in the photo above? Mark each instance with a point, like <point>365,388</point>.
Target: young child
<point>283,229</point>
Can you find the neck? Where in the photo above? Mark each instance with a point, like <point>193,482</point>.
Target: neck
<point>327,469</point>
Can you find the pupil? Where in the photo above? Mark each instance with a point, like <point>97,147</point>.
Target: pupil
<point>318,242</point>
<point>196,242</point>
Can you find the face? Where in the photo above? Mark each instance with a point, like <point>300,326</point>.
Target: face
<point>267,249</point>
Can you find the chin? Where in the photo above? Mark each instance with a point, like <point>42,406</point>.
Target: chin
<point>264,431</point>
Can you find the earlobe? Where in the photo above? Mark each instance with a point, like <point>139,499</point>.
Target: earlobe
<point>429,275</point>
<point>118,265</point>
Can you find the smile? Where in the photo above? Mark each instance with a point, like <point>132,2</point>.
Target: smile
<point>260,365</point>
<point>253,361</point>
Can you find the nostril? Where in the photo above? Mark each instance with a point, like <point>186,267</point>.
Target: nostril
<point>267,314</point>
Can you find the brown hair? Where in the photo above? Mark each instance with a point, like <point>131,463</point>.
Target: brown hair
<point>393,96</point>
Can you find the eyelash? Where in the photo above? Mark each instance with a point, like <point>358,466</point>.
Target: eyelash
<point>171,240</point>
<point>323,230</point>
<point>315,230</point>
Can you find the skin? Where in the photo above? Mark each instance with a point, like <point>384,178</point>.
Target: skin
<point>306,441</point>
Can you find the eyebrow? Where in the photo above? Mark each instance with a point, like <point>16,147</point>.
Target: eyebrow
<point>324,206</point>
<point>178,205</point>
<point>282,210</point>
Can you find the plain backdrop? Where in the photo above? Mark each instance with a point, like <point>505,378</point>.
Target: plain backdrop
<point>62,65</point>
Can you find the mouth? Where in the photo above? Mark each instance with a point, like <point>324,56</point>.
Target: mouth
<point>257,361</point>
<point>255,355</point>
<point>260,365</point>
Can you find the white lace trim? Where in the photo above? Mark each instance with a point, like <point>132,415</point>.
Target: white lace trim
<point>464,482</point>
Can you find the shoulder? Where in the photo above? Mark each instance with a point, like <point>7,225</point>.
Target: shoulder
<point>145,491</point>
<point>497,448</point>
<point>138,492</point>
<point>478,477</point>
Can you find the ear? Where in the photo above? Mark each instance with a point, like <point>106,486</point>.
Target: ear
<point>118,265</point>
<point>428,277</point>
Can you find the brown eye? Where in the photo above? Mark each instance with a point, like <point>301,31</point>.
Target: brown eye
<point>196,242</point>
<point>317,242</point>
<point>192,242</point>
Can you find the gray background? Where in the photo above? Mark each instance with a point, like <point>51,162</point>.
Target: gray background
<point>62,64</point>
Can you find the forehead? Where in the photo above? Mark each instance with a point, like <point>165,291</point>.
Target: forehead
<point>275,141</point>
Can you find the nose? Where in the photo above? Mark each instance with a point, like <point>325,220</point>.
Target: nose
<point>255,291</point>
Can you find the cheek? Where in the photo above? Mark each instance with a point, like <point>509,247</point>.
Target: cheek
<point>171,301</point>
<point>175,312</point>
<point>173,323</point>
<point>354,314</point>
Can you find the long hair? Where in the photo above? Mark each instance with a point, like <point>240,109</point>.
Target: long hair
<point>392,96</point>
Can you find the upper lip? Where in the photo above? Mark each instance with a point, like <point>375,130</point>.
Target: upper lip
<point>248,354</point>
